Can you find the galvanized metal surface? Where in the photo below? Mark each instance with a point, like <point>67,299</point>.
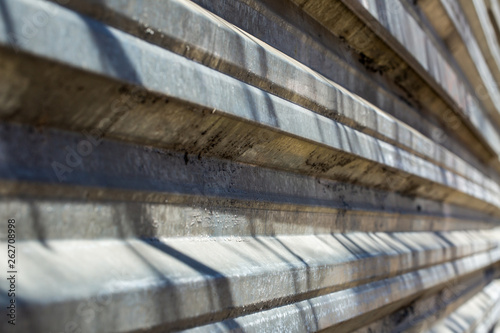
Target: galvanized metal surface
<point>237,166</point>
<point>164,72</point>
<point>302,86</point>
<point>471,317</point>
<point>401,26</point>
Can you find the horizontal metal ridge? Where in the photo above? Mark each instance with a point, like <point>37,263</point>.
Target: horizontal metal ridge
<point>406,36</point>
<point>351,308</point>
<point>212,276</point>
<point>281,76</point>
<point>426,310</point>
<point>160,70</point>
<point>479,314</point>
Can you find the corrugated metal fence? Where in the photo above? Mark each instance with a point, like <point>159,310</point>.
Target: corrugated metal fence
<point>249,165</point>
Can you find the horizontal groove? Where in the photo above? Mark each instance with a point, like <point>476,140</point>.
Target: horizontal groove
<point>197,84</point>
<point>121,214</point>
<point>212,275</point>
<point>483,30</point>
<point>301,86</point>
<point>477,315</point>
<point>437,71</point>
<point>170,171</point>
<point>424,311</point>
<point>136,183</point>
<point>470,58</point>
<point>345,310</point>
<point>304,39</point>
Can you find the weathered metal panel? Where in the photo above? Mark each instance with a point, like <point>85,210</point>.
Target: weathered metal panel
<point>244,166</point>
